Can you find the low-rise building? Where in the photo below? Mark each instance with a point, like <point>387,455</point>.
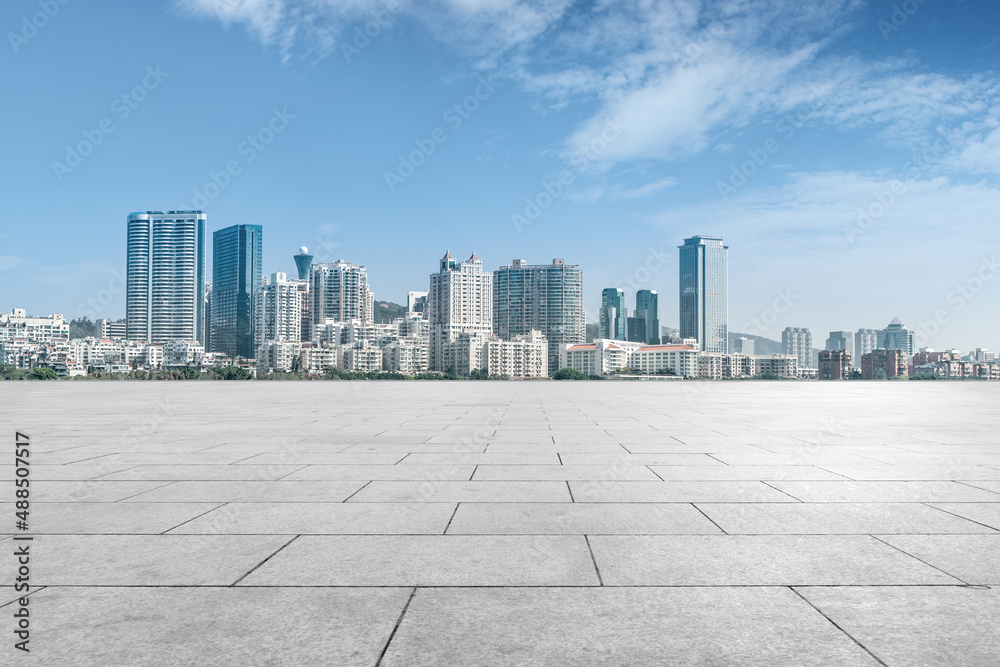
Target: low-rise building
<point>681,360</point>
<point>518,357</point>
<point>884,363</point>
<point>836,364</point>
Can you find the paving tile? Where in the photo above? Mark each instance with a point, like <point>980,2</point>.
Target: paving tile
<point>602,626</point>
<point>884,492</point>
<point>732,473</point>
<point>89,492</point>
<point>213,626</point>
<point>984,513</point>
<point>756,560</point>
<point>149,560</point>
<point>108,518</point>
<point>439,560</point>
<point>462,492</point>
<point>804,458</point>
<point>915,473</point>
<point>579,518</point>
<point>577,458</point>
<point>384,472</point>
<point>563,472</point>
<point>551,448</point>
<point>972,558</point>
<point>320,519</point>
<point>67,472</point>
<point>208,472</point>
<point>835,518</point>
<point>300,458</point>
<point>916,625</point>
<point>254,491</point>
<point>479,458</point>
<point>676,492</point>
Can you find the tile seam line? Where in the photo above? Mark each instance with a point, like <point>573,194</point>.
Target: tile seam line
<point>255,567</point>
<point>695,505</point>
<point>593,559</point>
<point>185,522</point>
<point>395,628</point>
<point>903,551</point>
<point>834,624</point>
<point>959,516</point>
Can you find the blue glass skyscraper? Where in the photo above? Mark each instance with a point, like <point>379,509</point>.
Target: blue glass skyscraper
<point>704,292</point>
<point>236,276</point>
<point>646,307</point>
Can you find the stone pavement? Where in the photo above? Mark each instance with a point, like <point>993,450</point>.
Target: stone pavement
<point>507,523</point>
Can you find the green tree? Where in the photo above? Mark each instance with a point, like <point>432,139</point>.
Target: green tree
<point>42,374</point>
<point>569,374</point>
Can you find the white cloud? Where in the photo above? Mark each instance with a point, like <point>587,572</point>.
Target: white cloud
<point>645,190</point>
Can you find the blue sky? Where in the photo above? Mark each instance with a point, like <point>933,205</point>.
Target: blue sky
<point>772,124</point>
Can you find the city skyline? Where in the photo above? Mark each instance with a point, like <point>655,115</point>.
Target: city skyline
<point>832,146</point>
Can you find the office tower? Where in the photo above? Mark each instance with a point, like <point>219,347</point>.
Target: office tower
<point>340,292</point>
<point>236,277</point>
<point>459,302</point>
<point>165,283</point>
<point>704,292</point>
<point>841,340</point>
<point>416,302</point>
<point>865,341</point>
<point>547,298</point>
<point>797,342</point>
<point>646,307</point>
<point>614,317</point>
<point>302,263</point>
<point>744,345</point>
<point>278,311</point>
<point>635,329</point>
<point>896,337</point>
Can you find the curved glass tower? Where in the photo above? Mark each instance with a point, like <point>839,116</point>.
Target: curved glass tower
<point>165,284</point>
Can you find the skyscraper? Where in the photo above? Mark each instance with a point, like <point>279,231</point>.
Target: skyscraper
<point>865,341</point>
<point>614,318</point>
<point>340,292</point>
<point>546,297</point>
<point>797,342</point>
<point>646,307</point>
<point>840,340</point>
<point>704,292</point>
<point>896,337</point>
<point>302,263</point>
<point>236,277</point>
<point>278,311</point>
<point>165,283</point>
<point>459,302</point>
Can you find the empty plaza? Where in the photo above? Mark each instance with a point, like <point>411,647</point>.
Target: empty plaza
<point>506,523</point>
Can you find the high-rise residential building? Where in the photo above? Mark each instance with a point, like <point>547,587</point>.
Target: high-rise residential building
<point>704,293</point>
<point>165,284</point>
<point>236,276</point>
<point>744,345</point>
<point>340,292</point>
<point>614,316</point>
<point>865,341</point>
<point>797,342</point>
<point>896,337</point>
<point>647,308</point>
<point>546,298</point>
<point>278,311</point>
<point>841,340</point>
<point>459,301</point>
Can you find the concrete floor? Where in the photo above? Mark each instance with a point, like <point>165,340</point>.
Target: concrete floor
<point>506,523</point>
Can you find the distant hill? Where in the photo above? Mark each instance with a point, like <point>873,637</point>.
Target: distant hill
<point>761,345</point>
<point>387,311</point>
